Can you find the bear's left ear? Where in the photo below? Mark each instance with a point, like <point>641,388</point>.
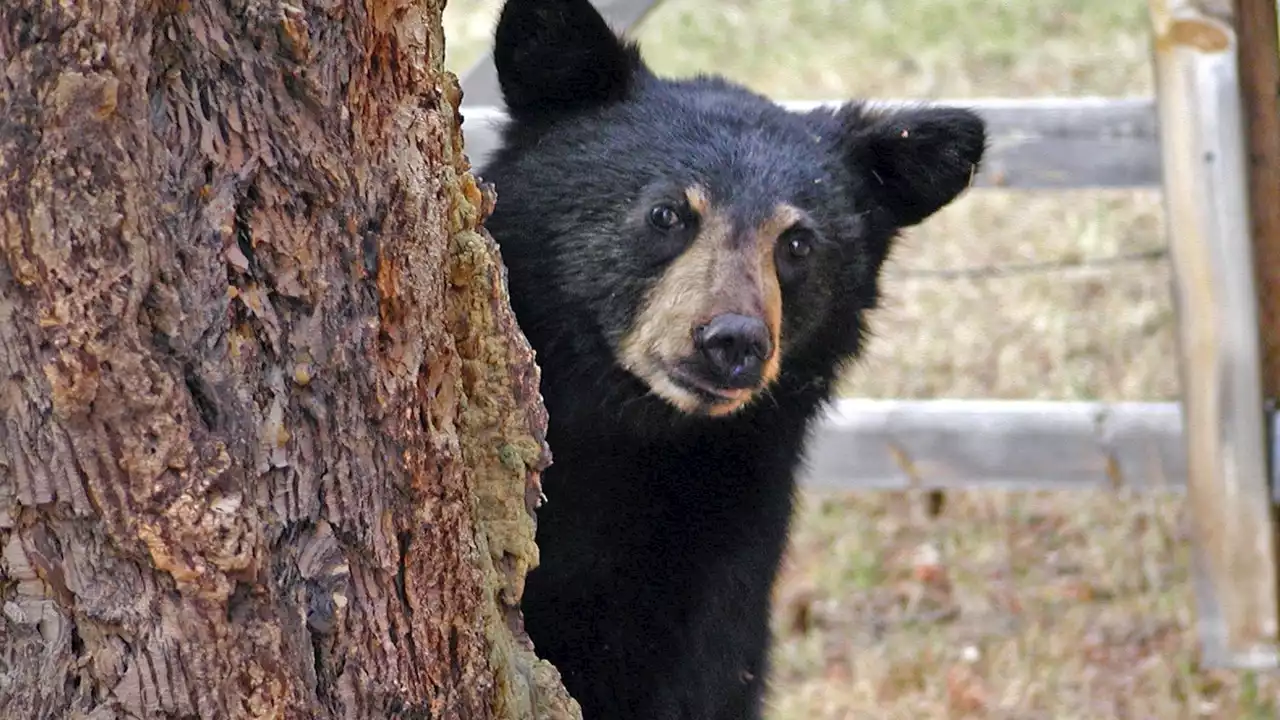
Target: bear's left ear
<point>914,161</point>
<point>559,56</point>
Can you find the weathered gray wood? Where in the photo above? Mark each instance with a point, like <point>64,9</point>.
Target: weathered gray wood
<point>1206,198</point>
<point>480,83</point>
<point>1036,144</point>
<point>1063,143</point>
<point>1015,444</point>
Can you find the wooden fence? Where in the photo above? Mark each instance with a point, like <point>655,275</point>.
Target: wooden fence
<point>1211,140</point>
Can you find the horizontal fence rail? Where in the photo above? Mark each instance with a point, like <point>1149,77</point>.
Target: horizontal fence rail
<point>1035,144</point>
<point>996,444</point>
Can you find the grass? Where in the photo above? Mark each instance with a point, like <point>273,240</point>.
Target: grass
<point>1031,605</point>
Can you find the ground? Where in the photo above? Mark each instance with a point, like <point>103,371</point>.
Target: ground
<point>1061,606</point>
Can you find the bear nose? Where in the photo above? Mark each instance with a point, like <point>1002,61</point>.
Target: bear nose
<point>735,348</point>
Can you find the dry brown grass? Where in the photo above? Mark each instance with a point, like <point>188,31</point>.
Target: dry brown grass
<point>1044,605</point>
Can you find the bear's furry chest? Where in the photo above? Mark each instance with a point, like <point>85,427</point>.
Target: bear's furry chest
<point>698,505</point>
<point>657,563</point>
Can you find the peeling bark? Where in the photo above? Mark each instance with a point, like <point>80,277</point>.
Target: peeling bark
<point>269,436</point>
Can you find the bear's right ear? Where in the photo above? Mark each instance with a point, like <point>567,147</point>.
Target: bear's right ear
<point>557,56</point>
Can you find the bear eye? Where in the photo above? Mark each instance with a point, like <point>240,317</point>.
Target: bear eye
<point>664,218</point>
<point>799,245</point>
<point>797,242</point>
<point>793,251</point>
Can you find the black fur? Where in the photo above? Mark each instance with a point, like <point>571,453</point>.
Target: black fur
<point>662,531</point>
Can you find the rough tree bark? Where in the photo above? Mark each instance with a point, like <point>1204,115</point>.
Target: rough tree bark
<point>269,437</point>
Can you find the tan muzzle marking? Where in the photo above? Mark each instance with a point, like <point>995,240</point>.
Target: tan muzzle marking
<point>718,273</point>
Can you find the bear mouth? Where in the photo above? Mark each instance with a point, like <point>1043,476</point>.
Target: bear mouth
<point>704,390</point>
<point>688,390</point>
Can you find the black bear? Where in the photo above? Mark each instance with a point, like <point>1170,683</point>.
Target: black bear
<point>691,263</point>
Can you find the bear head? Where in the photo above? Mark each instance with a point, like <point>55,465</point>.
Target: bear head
<point>688,242</point>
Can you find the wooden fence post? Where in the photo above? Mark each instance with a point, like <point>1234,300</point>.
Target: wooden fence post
<point>1207,206</point>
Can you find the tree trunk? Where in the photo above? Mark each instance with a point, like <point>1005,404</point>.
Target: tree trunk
<point>269,436</point>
